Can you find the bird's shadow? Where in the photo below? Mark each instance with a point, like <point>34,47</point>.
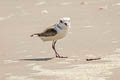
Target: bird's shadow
<point>38,59</point>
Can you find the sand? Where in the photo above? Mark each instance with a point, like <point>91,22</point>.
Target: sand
<point>94,33</point>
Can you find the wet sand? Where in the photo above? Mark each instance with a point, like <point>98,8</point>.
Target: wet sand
<point>94,33</point>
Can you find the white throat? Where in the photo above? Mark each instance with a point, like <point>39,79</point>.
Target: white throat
<point>62,26</point>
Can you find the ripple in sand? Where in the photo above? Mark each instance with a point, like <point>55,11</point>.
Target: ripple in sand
<point>25,50</point>
<point>116,4</point>
<point>40,3</point>
<point>10,61</point>
<point>117,50</point>
<point>37,68</point>
<point>107,32</point>
<point>8,74</point>
<point>7,17</point>
<point>96,71</point>
<point>2,18</point>
<point>103,8</point>
<point>91,56</point>
<point>70,59</point>
<point>63,62</point>
<point>115,41</point>
<point>19,78</point>
<point>83,3</point>
<point>89,71</point>
<point>75,56</point>
<point>73,60</point>
<point>80,72</point>
<point>115,59</point>
<point>29,65</point>
<point>44,12</point>
<point>66,3</point>
<point>88,26</point>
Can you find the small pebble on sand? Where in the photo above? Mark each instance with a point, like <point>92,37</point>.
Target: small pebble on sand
<point>44,12</point>
<point>102,8</point>
<point>83,3</point>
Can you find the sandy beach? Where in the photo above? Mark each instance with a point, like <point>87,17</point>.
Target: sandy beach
<point>94,33</point>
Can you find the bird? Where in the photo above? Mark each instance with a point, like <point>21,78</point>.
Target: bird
<point>55,32</point>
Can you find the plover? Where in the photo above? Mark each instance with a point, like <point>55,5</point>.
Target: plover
<point>55,32</point>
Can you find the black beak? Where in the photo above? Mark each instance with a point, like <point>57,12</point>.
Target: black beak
<point>66,24</point>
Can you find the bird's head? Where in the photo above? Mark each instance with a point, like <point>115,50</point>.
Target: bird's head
<point>64,22</point>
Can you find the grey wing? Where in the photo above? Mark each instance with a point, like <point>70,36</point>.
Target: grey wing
<point>48,32</point>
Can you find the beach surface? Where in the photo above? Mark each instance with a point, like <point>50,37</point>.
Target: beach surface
<point>94,33</point>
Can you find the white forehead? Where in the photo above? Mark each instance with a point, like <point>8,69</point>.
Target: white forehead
<point>65,19</point>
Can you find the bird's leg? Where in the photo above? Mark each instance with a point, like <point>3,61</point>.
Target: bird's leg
<point>57,55</point>
<point>53,46</point>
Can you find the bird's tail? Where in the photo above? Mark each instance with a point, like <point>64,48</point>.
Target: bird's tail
<point>38,34</point>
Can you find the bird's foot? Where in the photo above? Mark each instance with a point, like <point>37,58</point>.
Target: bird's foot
<point>58,56</point>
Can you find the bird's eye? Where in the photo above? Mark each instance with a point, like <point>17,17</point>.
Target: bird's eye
<point>61,21</point>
